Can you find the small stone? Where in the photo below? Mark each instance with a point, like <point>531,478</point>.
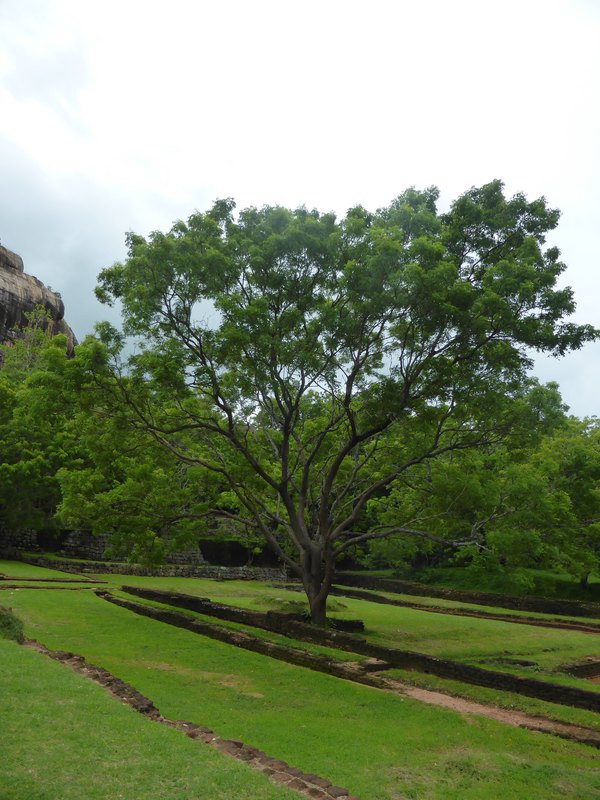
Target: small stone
<point>276,764</point>
<point>280,777</point>
<point>337,791</point>
<point>232,742</point>
<point>297,773</point>
<point>322,782</point>
<point>297,784</point>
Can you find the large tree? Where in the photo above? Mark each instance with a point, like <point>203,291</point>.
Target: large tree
<point>310,362</point>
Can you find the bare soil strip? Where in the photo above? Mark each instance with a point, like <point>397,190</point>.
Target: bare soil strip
<point>517,719</point>
<point>279,772</point>
<point>363,672</point>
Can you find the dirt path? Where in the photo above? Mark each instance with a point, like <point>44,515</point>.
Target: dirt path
<point>279,772</point>
<point>518,719</point>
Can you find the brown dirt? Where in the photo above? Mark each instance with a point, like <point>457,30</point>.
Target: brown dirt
<point>518,719</point>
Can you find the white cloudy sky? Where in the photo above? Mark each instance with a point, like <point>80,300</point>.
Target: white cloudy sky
<point>127,115</point>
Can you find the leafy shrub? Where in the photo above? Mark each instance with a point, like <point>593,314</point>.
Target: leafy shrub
<point>11,627</point>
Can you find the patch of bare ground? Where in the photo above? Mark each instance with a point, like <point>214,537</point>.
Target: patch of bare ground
<point>518,719</point>
<point>309,785</point>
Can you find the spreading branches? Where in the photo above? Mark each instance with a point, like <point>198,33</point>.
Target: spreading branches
<point>341,356</point>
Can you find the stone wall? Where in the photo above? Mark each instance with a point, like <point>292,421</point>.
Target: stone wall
<point>83,544</point>
<point>164,571</point>
<point>20,540</point>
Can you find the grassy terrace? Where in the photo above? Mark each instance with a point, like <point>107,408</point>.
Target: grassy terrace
<point>502,699</point>
<point>64,737</point>
<point>380,746</point>
<point>486,643</point>
<point>21,571</point>
<point>441,602</point>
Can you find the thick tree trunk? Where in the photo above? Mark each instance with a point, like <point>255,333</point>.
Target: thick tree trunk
<point>317,576</point>
<point>318,609</point>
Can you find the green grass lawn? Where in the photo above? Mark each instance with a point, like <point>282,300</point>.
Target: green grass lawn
<point>21,571</point>
<point>441,602</point>
<point>503,699</point>
<point>65,738</point>
<point>488,643</point>
<point>380,746</point>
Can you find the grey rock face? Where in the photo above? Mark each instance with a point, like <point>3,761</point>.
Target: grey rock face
<point>21,293</point>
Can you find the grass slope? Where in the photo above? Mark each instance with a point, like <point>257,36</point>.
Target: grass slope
<point>20,570</point>
<point>488,643</point>
<point>64,737</point>
<point>380,746</point>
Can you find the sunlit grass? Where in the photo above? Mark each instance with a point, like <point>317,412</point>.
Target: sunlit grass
<point>380,746</point>
<point>486,642</point>
<point>65,738</point>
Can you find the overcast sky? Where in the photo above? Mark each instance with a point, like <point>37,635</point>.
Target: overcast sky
<point>128,115</point>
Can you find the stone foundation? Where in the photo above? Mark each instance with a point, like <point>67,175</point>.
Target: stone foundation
<point>164,571</point>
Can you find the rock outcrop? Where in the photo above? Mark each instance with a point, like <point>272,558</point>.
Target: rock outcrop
<point>21,293</point>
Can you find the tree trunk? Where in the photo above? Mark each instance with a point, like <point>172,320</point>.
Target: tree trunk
<point>318,609</point>
<point>583,581</point>
<point>317,576</point>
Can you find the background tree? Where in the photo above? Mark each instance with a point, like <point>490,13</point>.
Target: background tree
<point>310,363</point>
<point>35,441</point>
<point>481,506</point>
<point>531,501</point>
<point>123,483</point>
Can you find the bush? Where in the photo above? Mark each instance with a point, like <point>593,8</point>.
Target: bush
<point>11,627</point>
